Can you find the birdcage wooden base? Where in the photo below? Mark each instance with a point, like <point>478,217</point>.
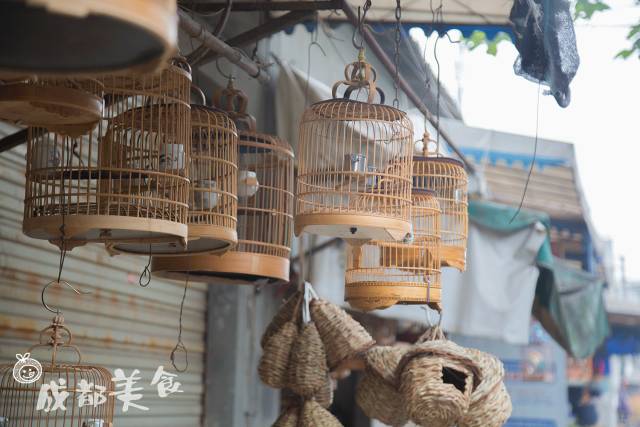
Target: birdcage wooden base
<point>130,36</point>
<point>58,109</point>
<point>352,226</point>
<point>453,256</point>
<point>203,239</point>
<point>80,229</point>
<point>234,265</point>
<point>367,296</point>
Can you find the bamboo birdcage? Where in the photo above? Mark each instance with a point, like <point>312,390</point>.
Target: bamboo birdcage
<point>380,274</point>
<point>86,37</point>
<point>354,169</point>
<point>126,182</point>
<point>64,105</point>
<point>448,178</point>
<point>21,389</point>
<point>265,207</point>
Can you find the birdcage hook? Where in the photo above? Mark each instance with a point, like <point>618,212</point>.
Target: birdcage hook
<point>60,282</point>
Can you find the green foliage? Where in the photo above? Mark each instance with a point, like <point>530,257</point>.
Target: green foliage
<point>634,37</point>
<point>586,8</point>
<point>479,38</point>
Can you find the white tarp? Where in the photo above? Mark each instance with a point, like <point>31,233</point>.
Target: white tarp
<point>492,299</point>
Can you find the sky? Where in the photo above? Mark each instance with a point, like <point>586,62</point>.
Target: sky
<point>603,119</point>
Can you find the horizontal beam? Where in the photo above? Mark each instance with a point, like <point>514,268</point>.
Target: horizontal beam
<point>13,140</point>
<point>260,32</point>
<point>380,53</point>
<point>198,31</point>
<point>255,6</point>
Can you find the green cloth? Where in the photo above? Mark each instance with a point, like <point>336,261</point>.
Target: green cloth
<point>574,305</point>
<point>501,218</point>
<point>570,300</point>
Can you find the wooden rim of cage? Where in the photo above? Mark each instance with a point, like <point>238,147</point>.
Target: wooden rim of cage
<point>81,229</point>
<point>142,35</point>
<point>262,140</point>
<point>244,266</point>
<point>367,296</point>
<point>369,227</point>
<point>52,105</point>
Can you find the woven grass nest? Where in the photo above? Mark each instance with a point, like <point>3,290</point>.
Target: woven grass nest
<point>490,402</point>
<point>436,379</point>
<point>377,393</point>
<point>343,337</point>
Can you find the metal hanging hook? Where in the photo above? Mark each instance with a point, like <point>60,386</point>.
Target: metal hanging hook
<point>60,282</point>
<point>228,76</point>
<point>360,27</point>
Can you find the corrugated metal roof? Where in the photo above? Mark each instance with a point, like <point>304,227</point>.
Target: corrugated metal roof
<point>119,325</point>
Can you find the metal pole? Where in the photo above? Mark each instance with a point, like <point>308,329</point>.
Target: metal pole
<point>380,53</point>
<point>198,31</point>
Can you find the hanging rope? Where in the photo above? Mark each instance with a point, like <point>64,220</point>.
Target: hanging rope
<point>533,161</point>
<point>180,345</point>
<point>145,276</point>
<point>398,39</point>
<point>312,43</point>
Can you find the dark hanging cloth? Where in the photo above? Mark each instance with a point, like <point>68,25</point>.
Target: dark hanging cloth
<point>546,41</point>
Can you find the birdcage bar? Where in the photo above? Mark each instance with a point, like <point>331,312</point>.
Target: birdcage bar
<point>127,180</point>
<point>265,207</point>
<point>19,399</point>
<point>448,179</point>
<point>354,170</point>
<point>382,273</point>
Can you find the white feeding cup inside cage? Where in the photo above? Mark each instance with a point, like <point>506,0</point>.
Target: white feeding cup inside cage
<point>172,157</point>
<point>248,184</point>
<point>206,194</point>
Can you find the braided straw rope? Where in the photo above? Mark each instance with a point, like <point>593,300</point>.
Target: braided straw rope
<point>275,357</point>
<point>436,379</point>
<point>343,337</point>
<point>288,418</point>
<point>308,364</point>
<point>284,314</point>
<point>490,402</point>
<point>314,415</point>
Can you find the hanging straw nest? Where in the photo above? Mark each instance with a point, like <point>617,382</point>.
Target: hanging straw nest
<point>308,365</point>
<point>276,354</point>
<point>380,400</point>
<point>314,415</point>
<point>436,379</point>
<point>284,314</point>
<point>343,337</point>
<point>490,402</point>
<point>324,396</point>
<point>288,418</point>
<point>377,394</point>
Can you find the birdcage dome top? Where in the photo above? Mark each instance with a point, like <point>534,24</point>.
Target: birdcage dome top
<point>350,110</point>
<point>205,116</point>
<point>438,159</point>
<point>270,141</point>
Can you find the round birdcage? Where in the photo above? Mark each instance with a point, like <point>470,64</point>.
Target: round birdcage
<point>448,179</point>
<point>265,208</point>
<point>354,168</point>
<point>85,37</point>
<point>126,182</point>
<point>380,274</point>
<point>30,389</point>
<point>64,105</point>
